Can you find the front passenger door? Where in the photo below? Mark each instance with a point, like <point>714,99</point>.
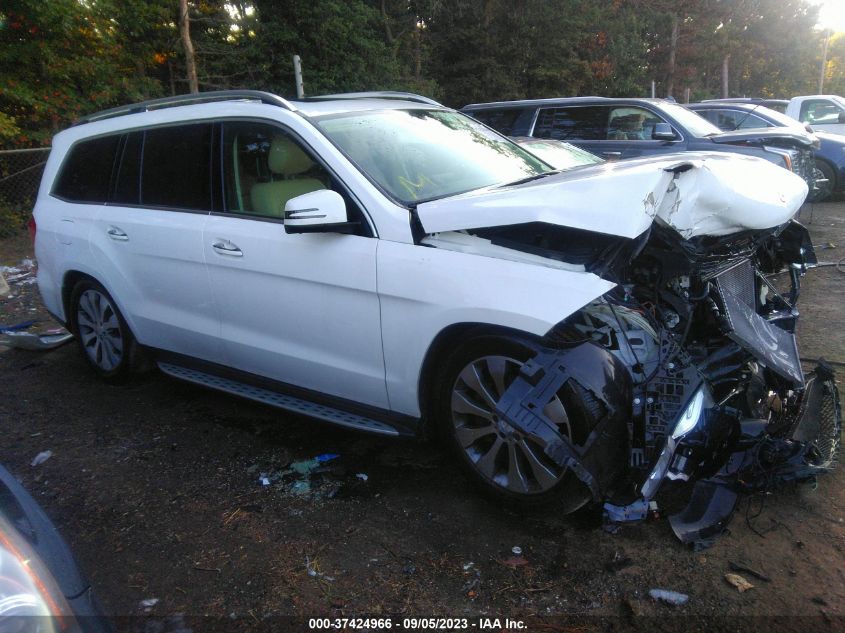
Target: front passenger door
<point>297,308</point>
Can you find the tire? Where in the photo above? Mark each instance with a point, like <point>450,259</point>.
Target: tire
<point>823,170</point>
<point>498,459</point>
<point>104,337</point>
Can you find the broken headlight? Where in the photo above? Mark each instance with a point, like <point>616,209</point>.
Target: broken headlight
<point>691,415</point>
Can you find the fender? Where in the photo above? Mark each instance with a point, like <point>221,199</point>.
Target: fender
<point>422,291</point>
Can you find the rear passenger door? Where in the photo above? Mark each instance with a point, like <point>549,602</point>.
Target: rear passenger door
<point>612,132</point>
<point>302,309</point>
<point>147,240</point>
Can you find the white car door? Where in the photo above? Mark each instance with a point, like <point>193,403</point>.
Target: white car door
<point>302,309</point>
<point>148,244</point>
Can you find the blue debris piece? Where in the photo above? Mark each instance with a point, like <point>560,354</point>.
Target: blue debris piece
<point>326,457</point>
<point>636,511</point>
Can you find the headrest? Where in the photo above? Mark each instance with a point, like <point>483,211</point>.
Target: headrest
<point>286,158</point>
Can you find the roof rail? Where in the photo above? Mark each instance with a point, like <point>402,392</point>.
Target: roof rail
<point>377,94</point>
<point>188,99</point>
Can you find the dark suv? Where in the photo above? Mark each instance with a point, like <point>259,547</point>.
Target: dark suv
<point>625,128</point>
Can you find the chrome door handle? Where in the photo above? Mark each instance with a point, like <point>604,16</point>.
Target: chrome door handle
<point>117,234</point>
<point>225,247</point>
<point>612,154</point>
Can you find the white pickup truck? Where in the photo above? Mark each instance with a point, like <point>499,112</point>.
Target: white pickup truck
<point>823,112</point>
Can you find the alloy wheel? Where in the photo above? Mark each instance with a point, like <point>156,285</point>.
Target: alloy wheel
<point>99,329</point>
<point>497,450</point>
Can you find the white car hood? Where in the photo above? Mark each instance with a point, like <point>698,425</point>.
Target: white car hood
<point>696,193</point>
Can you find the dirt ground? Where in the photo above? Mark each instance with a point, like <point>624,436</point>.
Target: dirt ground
<point>157,486</point>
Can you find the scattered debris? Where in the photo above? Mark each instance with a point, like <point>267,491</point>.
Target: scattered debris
<point>326,457</point>
<point>42,457</point>
<point>264,481</point>
<point>15,336</point>
<point>149,603</point>
<point>362,476</point>
<point>669,597</point>
<point>468,566</point>
<point>311,570</point>
<point>741,584</point>
<point>517,560</point>
<point>740,566</point>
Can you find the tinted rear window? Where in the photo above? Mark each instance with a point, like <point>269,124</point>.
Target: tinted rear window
<point>588,123</point>
<point>177,167</point>
<point>504,120</point>
<point>87,171</point>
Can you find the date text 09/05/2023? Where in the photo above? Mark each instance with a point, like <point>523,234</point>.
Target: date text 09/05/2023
<point>417,624</point>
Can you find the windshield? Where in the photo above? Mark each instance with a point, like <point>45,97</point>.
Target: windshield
<point>696,124</point>
<point>560,155</point>
<point>780,119</point>
<point>418,155</point>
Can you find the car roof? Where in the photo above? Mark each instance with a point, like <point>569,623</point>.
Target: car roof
<point>313,106</point>
<point>564,101</point>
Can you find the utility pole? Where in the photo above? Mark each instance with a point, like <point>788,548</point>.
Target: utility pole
<point>185,31</point>
<point>297,73</point>
<point>725,69</point>
<point>824,61</point>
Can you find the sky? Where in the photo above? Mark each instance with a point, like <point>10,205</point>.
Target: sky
<point>832,14</point>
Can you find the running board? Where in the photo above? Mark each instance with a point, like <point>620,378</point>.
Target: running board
<point>279,400</point>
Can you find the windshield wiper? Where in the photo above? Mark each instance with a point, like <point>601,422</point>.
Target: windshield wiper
<point>530,178</point>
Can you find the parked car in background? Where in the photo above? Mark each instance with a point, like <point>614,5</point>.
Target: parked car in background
<point>390,265</point>
<point>558,154</point>
<point>823,112</point>
<point>829,156</point>
<point>41,586</point>
<point>779,105</point>
<point>625,128</point>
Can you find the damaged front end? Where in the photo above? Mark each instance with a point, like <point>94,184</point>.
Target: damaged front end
<point>693,354</point>
<point>717,392</point>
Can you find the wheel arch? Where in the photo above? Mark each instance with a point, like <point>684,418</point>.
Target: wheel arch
<point>444,343</point>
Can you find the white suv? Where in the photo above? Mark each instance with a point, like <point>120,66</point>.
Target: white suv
<point>378,260</point>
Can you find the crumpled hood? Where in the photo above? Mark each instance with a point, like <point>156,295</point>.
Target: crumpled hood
<point>696,193</point>
<point>795,135</point>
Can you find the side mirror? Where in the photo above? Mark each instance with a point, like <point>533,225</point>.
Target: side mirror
<point>842,117</point>
<point>322,211</point>
<point>663,132</point>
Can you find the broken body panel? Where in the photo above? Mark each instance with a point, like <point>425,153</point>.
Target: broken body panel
<point>703,335</point>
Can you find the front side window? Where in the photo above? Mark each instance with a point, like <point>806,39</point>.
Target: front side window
<point>87,171</point>
<point>630,123</point>
<point>820,111</point>
<point>177,167</point>
<point>418,155</point>
<point>504,120</point>
<point>263,168</point>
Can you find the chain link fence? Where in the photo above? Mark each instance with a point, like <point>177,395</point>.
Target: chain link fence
<point>20,175</point>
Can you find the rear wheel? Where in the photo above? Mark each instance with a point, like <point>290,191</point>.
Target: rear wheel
<point>101,331</point>
<point>823,171</point>
<point>498,457</point>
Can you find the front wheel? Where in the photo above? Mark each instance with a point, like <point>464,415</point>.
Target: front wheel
<point>823,191</point>
<point>504,462</point>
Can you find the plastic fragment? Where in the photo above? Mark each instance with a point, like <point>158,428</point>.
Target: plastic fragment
<point>149,603</point>
<point>264,481</point>
<point>42,457</point>
<point>741,584</point>
<point>326,457</point>
<point>362,476</point>
<point>669,597</point>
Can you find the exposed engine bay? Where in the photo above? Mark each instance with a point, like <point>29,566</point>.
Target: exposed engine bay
<point>713,390</point>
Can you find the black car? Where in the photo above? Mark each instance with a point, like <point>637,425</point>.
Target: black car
<point>829,157</point>
<point>41,587</point>
<point>779,105</point>
<point>626,128</point>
